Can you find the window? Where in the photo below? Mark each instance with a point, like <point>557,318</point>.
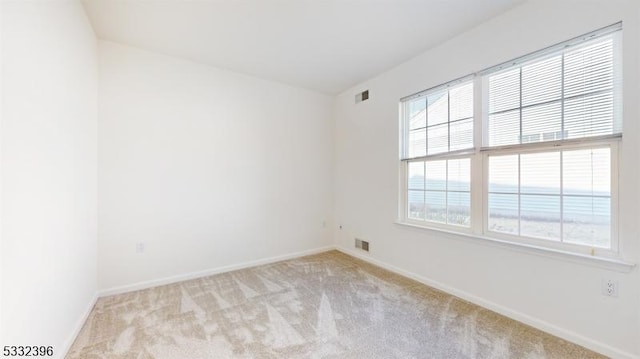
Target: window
<point>565,95</point>
<point>541,167</point>
<point>440,120</point>
<point>440,191</point>
<point>439,127</point>
<point>562,195</point>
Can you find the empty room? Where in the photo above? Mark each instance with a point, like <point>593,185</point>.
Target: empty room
<point>191,179</point>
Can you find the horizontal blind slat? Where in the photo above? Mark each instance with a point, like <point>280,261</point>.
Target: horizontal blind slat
<point>438,122</point>
<point>565,95</point>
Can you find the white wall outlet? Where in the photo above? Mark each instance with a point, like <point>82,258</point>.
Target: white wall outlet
<point>610,287</point>
<point>140,247</point>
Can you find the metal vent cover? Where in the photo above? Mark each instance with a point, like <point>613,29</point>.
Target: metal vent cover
<point>362,96</point>
<point>361,244</point>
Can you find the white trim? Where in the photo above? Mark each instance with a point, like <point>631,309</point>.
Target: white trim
<point>562,46</point>
<point>62,352</point>
<point>405,127</point>
<point>612,252</point>
<point>477,168</point>
<point>612,33</point>
<point>438,226</point>
<point>615,264</point>
<point>533,146</point>
<point>207,272</point>
<point>452,154</point>
<point>612,257</point>
<point>446,85</point>
<point>515,315</point>
<point>542,325</point>
<point>404,213</point>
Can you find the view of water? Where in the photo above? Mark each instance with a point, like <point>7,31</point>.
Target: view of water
<point>586,216</point>
<point>535,202</point>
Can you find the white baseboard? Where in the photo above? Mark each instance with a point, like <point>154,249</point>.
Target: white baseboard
<point>208,272</point>
<point>76,329</point>
<point>521,317</point>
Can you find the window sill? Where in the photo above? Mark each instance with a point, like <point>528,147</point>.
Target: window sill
<point>615,264</point>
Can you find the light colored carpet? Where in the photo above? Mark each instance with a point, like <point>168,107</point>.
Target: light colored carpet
<point>322,306</point>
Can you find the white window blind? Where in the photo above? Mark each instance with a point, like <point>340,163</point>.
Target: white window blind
<point>439,120</point>
<point>562,195</point>
<point>569,92</point>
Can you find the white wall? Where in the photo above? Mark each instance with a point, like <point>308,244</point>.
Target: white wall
<point>49,168</point>
<point>208,168</point>
<point>549,292</point>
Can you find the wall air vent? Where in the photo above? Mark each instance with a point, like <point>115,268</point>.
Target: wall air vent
<point>362,96</point>
<point>360,244</point>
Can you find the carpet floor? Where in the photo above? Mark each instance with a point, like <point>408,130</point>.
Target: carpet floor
<point>328,305</point>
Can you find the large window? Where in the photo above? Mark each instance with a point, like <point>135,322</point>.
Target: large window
<point>439,128</point>
<point>540,166</point>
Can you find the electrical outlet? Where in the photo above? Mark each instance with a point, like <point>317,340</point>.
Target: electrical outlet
<point>610,287</point>
<point>140,247</point>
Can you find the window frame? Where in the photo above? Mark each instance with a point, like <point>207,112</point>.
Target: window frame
<point>479,157</point>
<point>404,203</point>
<point>610,252</point>
<point>405,127</point>
<point>405,159</point>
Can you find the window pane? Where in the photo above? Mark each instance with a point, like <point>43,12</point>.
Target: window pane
<point>542,123</point>
<point>540,173</point>
<point>459,208</point>
<point>459,175</point>
<point>447,195</point>
<point>418,113</point>
<point>433,114</point>
<point>504,128</point>
<point>417,143</point>
<point>590,115</point>
<point>438,139</point>
<point>587,221</point>
<point>438,110</point>
<point>542,81</point>
<point>461,102</point>
<point>416,175</point>
<point>503,174</point>
<point>540,216</point>
<point>436,206</point>
<point>416,205</point>
<point>436,174</point>
<point>587,172</point>
<point>589,68</point>
<point>461,135</point>
<point>566,95</point>
<point>585,206</point>
<point>503,213</point>
<point>504,90</point>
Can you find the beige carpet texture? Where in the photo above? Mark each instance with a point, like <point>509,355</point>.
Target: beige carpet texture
<point>328,305</point>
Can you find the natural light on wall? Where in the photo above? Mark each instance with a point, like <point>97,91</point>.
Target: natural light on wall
<point>540,143</point>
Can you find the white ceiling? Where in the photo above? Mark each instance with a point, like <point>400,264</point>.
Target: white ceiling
<point>324,45</point>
